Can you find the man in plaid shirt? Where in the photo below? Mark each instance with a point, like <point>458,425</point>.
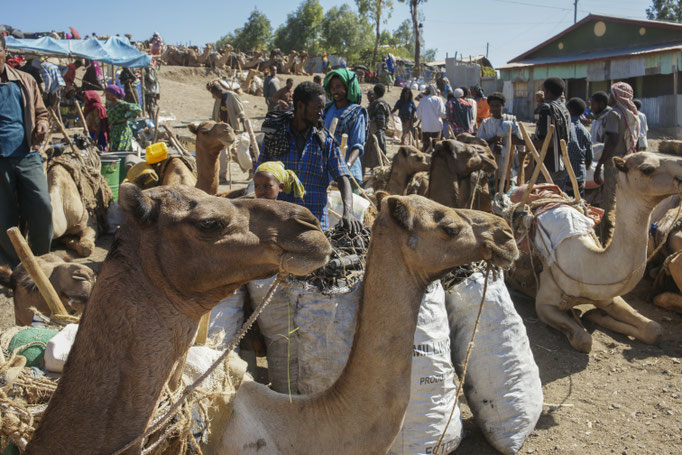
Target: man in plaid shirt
<point>297,140</point>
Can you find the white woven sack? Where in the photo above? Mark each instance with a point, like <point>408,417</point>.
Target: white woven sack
<point>502,387</point>
<point>58,348</point>
<point>326,327</point>
<point>227,319</point>
<point>275,322</point>
<point>433,387</point>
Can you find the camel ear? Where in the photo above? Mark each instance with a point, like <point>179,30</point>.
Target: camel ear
<point>193,127</point>
<point>135,203</point>
<point>620,164</point>
<point>400,213</point>
<point>380,195</point>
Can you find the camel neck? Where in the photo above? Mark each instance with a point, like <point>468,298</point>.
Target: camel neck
<point>382,349</point>
<point>208,167</point>
<point>397,179</point>
<point>127,344</point>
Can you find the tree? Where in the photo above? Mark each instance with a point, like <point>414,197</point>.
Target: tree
<point>416,28</point>
<point>344,31</point>
<point>301,30</point>
<point>376,9</point>
<point>665,10</point>
<point>430,54</point>
<point>254,35</point>
<point>404,36</point>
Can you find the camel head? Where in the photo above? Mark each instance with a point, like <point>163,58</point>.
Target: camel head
<point>411,160</point>
<point>213,136</point>
<point>74,282</point>
<point>434,238</point>
<point>462,159</point>
<point>650,175</point>
<point>200,248</point>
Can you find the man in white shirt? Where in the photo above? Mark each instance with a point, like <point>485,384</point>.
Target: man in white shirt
<point>431,111</point>
<point>494,130</point>
<point>642,142</point>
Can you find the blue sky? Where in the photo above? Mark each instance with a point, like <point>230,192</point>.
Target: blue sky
<point>463,26</point>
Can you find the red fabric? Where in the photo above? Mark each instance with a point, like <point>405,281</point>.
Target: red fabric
<point>70,75</point>
<point>94,102</point>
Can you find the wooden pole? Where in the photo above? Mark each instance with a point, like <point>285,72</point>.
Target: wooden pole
<point>202,331</point>
<point>344,144</point>
<point>534,152</point>
<point>522,171</point>
<point>332,127</point>
<point>252,137</point>
<point>33,268</point>
<point>176,141</point>
<point>569,169</point>
<point>507,161</point>
<point>228,150</point>
<point>156,125</point>
<point>82,117</point>
<point>534,177</point>
<point>61,129</point>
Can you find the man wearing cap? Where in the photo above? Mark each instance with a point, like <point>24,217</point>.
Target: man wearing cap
<point>23,184</point>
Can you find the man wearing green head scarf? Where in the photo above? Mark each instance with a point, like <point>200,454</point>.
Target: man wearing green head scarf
<point>343,89</point>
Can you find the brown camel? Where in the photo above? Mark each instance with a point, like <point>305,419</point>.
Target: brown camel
<point>73,283</point>
<point>414,241</point>
<point>451,178</point>
<point>405,164</point>
<point>668,261</point>
<point>212,138</point>
<point>222,59</point>
<point>177,173</point>
<point>176,255</point>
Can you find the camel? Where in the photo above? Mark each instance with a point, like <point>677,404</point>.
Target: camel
<point>455,169</point>
<point>586,271</point>
<point>414,241</point>
<point>73,283</point>
<point>256,59</point>
<point>302,64</point>
<point>176,172</point>
<point>203,58</point>
<point>176,255</point>
<point>405,164</point>
<point>666,216</point>
<point>212,138</point>
<point>217,60</point>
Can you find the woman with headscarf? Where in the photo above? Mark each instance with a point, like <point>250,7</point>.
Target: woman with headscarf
<point>119,114</point>
<point>96,118</point>
<point>343,89</point>
<point>271,178</point>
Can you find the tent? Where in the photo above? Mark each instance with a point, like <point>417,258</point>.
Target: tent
<point>116,50</point>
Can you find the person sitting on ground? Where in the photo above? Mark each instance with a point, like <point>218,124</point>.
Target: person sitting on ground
<point>482,109</point>
<point>431,112</point>
<point>407,111</point>
<point>70,74</point>
<point>119,115</point>
<point>270,87</point>
<point>23,183</point>
<point>295,139</point>
<point>553,112</point>
<point>579,144</point>
<point>96,118</point>
<point>282,99</point>
<point>642,142</point>
<point>495,128</point>
<point>343,89</point>
<point>379,111</point>
<point>272,178</point>
<point>459,113</point>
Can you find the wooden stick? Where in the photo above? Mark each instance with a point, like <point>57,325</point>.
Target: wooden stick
<point>33,268</point>
<point>252,137</point>
<point>202,331</point>
<point>507,161</point>
<point>522,171</point>
<point>82,117</point>
<point>332,127</point>
<point>534,152</point>
<point>61,129</point>
<point>132,92</point>
<point>229,164</point>
<point>176,141</point>
<point>569,169</point>
<point>344,144</point>
<point>156,125</point>
<point>536,174</point>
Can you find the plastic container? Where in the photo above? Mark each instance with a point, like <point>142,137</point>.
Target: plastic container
<point>156,153</point>
<point>111,171</point>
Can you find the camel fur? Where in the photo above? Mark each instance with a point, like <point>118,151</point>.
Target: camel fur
<point>414,241</point>
<point>73,283</point>
<point>176,255</point>
<point>212,138</point>
<point>666,216</point>
<point>405,164</point>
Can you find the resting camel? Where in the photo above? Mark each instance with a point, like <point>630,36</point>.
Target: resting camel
<point>414,241</point>
<point>73,283</point>
<point>585,270</point>
<point>176,255</point>
<point>455,169</point>
<point>212,138</point>
<point>405,164</point>
<point>666,216</point>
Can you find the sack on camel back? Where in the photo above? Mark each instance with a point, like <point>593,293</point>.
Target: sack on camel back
<point>502,387</point>
<point>433,386</point>
<point>275,323</point>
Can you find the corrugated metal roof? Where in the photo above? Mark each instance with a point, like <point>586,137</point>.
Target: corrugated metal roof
<point>597,55</point>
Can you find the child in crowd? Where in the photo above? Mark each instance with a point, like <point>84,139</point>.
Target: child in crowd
<point>271,178</point>
<point>642,142</point>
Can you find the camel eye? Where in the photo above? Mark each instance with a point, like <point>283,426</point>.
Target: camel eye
<point>647,169</point>
<point>210,225</point>
<point>451,230</point>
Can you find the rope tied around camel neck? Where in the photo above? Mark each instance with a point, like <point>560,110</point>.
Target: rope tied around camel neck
<point>172,410</point>
<point>470,347</point>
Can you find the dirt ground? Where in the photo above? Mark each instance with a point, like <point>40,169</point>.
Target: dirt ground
<point>622,398</point>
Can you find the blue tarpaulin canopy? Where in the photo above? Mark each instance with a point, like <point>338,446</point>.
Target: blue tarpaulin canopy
<point>116,50</point>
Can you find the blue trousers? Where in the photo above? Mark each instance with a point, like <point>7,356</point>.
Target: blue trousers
<point>24,196</point>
